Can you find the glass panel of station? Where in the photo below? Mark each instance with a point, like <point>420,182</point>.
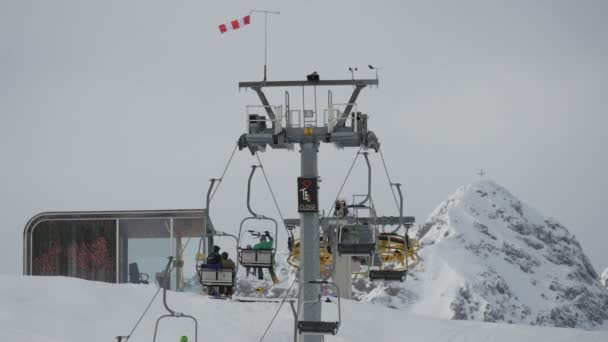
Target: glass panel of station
<point>144,245</point>
<point>187,233</point>
<point>77,248</point>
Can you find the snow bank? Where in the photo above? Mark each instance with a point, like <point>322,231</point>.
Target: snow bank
<point>53,309</point>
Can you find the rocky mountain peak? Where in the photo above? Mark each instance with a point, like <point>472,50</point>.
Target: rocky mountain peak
<point>488,256</point>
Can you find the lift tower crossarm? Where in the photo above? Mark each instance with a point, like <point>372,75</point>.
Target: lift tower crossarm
<point>265,103</point>
<point>353,99</point>
<point>359,84</point>
<point>407,221</point>
<point>304,83</point>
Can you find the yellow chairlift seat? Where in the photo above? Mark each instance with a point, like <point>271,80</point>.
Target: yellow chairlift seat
<point>393,249</point>
<point>326,258</point>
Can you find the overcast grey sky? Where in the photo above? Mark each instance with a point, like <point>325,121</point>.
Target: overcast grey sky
<point>134,104</point>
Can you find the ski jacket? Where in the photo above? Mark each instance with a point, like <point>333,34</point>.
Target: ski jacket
<point>214,259</point>
<point>228,263</point>
<point>265,244</point>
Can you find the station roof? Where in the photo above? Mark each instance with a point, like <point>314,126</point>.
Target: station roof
<point>137,221</point>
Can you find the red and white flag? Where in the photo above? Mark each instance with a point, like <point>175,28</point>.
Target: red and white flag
<point>235,24</point>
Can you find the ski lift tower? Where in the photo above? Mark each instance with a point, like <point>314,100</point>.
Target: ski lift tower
<point>284,127</point>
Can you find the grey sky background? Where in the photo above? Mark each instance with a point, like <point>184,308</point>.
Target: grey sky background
<point>134,104</point>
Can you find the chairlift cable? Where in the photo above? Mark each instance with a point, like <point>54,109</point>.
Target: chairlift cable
<point>280,305</point>
<point>345,179</point>
<point>145,312</point>
<point>213,194</point>
<point>289,233</point>
<point>225,170</point>
<point>390,183</point>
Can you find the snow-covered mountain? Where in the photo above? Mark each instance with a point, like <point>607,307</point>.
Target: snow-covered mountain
<point>487,256</point>
<point>604,277</point>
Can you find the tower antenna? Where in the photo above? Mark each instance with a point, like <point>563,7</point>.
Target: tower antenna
<point>265,34</point>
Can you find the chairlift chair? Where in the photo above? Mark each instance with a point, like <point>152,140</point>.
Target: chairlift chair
<point>326,258</point>
<point>249,257</point>
<point>317,327</point>
<point>171,314</point>
<point>359,239</point>
<point>388,275</point>
<point>356,240</point>
<point>215,275</point>
<point>393,249</point>
<point>256,257</point>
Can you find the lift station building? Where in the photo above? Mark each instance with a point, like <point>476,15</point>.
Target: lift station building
<point>117,246</point>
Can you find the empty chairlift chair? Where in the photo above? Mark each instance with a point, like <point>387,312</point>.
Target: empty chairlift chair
<point>387,274</point>
<point>356,240</point>
<point>392,250</point>
<point>317,327</point>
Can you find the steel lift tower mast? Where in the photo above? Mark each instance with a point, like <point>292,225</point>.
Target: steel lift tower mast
<point>282,128</point>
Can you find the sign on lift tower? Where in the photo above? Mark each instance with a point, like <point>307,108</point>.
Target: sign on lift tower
<point>283,128</point>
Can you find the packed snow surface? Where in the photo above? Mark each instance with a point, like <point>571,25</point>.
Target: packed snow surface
<point>59,309</point>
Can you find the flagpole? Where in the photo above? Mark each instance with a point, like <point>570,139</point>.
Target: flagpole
<point>265,34</point>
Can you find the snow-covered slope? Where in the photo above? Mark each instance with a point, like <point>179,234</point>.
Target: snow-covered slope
<point>57,309</point>
<point>604,277</point>
<point>487,256</point>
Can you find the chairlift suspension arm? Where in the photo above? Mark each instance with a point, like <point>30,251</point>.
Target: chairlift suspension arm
<point>166,284</point>
<point>350,169</point>
<point>213,180</point>
<point>369,180</point>
<point>172,314</point>
<point>207,218</point>
<point>253,167</point>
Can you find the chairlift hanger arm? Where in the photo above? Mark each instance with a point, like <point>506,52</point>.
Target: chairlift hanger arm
<point>171,314</point>
<point>253,167</point>
<point>166,283</point>
<point>212,180</point>
<point>369,180</point>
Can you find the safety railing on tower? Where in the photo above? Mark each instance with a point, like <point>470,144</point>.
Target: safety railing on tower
<point>332,114</point>
<point>258,123</point>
